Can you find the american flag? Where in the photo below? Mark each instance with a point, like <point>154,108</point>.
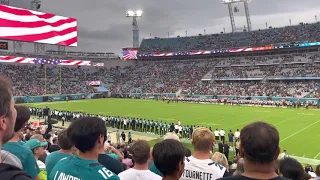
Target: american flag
<point>129,53</point>
<point>47,61</point>
<point>38,27</point>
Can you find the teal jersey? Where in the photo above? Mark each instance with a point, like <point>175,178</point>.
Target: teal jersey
<point>53,158</point>
<point>21,142</point>
<point>114,156</point>
<point>26,157</point>
<point>76,168</point>
<point>154,169</point>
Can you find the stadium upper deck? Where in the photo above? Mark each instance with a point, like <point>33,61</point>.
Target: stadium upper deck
<point>299,33</point>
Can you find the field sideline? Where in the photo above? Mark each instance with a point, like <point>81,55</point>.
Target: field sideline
<point>299,128</point>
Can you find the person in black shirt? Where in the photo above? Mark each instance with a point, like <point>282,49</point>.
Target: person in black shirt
<point>123,136</point>
<point>54,147</point>
<point>260,149</point>
<point>226,150</point>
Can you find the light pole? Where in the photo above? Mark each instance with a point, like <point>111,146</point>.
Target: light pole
<point>246,9</point>
<point>135,34</point>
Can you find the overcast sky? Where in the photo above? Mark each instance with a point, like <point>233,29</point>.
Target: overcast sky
<point>103,27</point>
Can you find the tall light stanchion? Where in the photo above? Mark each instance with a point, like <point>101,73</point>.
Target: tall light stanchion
<point>135,32</point>
<point>230,8</point>
<point>45,79</point>
<point>60,80</point>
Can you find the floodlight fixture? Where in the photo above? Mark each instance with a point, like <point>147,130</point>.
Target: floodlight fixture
<point>246,8</point>
<point>134,13</point>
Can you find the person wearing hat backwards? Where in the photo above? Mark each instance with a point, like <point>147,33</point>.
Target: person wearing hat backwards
<point>38,149</point>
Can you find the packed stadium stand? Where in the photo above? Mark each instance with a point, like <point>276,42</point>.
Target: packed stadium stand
<point>299,33</point>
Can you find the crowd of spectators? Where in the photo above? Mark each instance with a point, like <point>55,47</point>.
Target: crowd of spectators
<point>83,151</point>
<point>176,76</point>
<point>300,33</point>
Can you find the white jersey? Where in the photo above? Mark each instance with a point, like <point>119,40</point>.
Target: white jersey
<point>222,133</point>
<point>237,134</point>
<point>202,169</point>
<point>216,133</point>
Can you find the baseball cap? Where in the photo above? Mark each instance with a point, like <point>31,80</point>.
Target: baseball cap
<point>34,143</point>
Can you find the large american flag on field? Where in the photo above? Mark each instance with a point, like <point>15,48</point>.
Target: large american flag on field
<point>129,53</point>
<point>26,60</point>
<point>32,26</point>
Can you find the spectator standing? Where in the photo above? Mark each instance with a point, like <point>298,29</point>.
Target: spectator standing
<point>111,163</point>
<point>237,134</point>
<point>118,136</point>
<point>318,172</point>
<point>129,137</point>
<point>54,147</point>
<point>283,155</point>
<point>38,149</point>
<point>230,136</point>
<point>291,168</point>
<point>221,159</point>
<point>216,135</point>
<point>237,147</point>
<point>8,115</point>
<point>24,154</point>
<point>140,151</point>
<point>88,135</point>
<point>199,162</point>
<point>65,151</point>
<point>123,137</point>
<point>226,149</point>
<point>259,148</point>
<point>168,156</point>
<point>109,138</point>
<point>222,135</point>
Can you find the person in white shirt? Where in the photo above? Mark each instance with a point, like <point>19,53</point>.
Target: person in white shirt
<point>237,134</point>
<point>216,134</point>
<point>176,128</point>
<point>109,137</point>
<point>222,135</point>
<point>283,155</point>
<point>141,156</point>
<point>200,164</point>
<point>179,123</point>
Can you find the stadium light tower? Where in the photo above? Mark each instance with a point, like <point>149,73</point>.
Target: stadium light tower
<point>246,7</point>
<point>135,35</point>
<point>39,48</point>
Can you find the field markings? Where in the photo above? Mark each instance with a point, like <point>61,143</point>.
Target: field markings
<point>300,131</point>
<point>286,120</point>
<point>256,119</point>
<point>316,155</point>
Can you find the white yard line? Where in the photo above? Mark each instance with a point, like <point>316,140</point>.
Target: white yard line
<point>286,120</point>
<point>316,155</point>
<point>256,119</point>
<point>299,131</point>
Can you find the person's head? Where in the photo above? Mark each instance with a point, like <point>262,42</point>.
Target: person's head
<point>237,129</point>
<point>291,168</point>
<point>23,115</point>
<point>37,147</point>
<point>259,143</point>
<point>318,170</point>
<point>221,159</point>
<point>47,137</point>
<point>8,113</point>
<point>285,151</point>
<point>55,141</point>
<point>202,140</point>
<point>240,167</point>
<point>140,151</point>
<point>88,134</point>
<point>230,131</point>
<point>168,157</point>
<point>64,141</point>
<point>173,136</point>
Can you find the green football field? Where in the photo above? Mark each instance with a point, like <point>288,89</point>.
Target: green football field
<point>299,128</point>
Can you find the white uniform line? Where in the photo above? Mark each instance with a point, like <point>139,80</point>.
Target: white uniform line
<point>316,155</point>
<point>299,131</point>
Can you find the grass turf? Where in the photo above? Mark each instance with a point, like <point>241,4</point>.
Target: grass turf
<point>299,128</point>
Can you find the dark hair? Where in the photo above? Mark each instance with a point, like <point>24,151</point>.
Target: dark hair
<point>140,151</point>
<point>291,168</point>
<point>5,97</point>
<point>259,142</point>
<point>167,155</point>
<point>85,131</point>
<point>64,140</point>
<point>47,136</point>
<point>23,115</point>
<point>318,170</point>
